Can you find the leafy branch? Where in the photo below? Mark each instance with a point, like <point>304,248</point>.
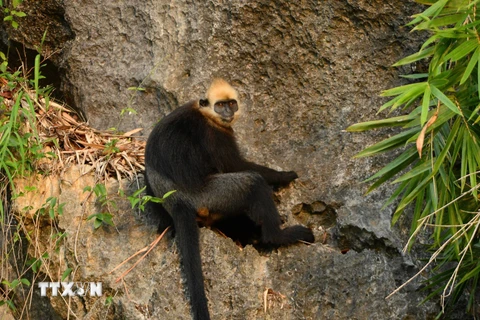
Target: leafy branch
<point>438,168</point>
<point>10,14</point>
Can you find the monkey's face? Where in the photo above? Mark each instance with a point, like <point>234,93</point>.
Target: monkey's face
<point>226,110</point>
<point>223,112</point>
<point>222,105</point>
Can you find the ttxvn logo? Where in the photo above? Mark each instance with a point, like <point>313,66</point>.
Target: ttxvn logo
<point>71,288</point>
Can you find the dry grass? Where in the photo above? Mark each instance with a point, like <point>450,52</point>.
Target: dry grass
<point>63,139</point>
<point>68,140</point>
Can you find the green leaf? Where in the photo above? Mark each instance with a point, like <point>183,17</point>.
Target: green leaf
<point>474,113</point>
<point>108,301</point>
<point>3,68</point>
<point>52,201</point>
<point>36,264</point>
<point>394,167</point>
<point>97,223</point>
<point>473,273</point>
<point>66,273</point>
<point>43,40</point>
<point>36,75</point>
<point>405,158</point>
<point>420,168</point>
<point>389,122</point>
<point>139,191</point>
<point>423,54</point>
<point>444,99</point>
<point>478,77</point>
<point>415,76</point>
<point>430,41</point>
<point>408,96</point>
<point>60,208</point>
<point>462,50</point>
<point>405,88</point>
<point>444,115</point>
<point>451,137</point>
<point>168,194</point>
<point>107,218</point>
<point>11,305</point>
<point>100,190</point>
<point>92,216</point>
<point>136,89</point>
<point>19,14</point>
<point>134,201</point>
<point>387,144</point>
<point>431,12</point>
<point>448,20</point>
<point>408,198</point>
<point>471,64</point>
<point>425,105</point>
<point>392,103</point>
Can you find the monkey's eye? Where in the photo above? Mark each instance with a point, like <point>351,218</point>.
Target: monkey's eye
<point>233,105</point>
<point>230,105</point>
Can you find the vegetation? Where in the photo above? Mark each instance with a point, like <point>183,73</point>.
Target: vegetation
<point>20,149</point>
<point>39,136</point>
<point>31,238</point>
<point>437,171</point>
<point>10,12</point>
<point>100,218</point>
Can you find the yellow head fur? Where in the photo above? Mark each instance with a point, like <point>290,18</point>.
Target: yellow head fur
<point>220,90</point>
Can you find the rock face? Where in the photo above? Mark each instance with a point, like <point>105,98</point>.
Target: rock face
<point>305,70</point>
<point>299,282</point>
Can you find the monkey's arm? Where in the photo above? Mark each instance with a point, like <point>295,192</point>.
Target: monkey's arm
<point>228,158</point>
<point>273,177</point>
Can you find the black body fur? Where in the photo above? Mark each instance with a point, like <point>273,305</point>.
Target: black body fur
<point>188,153</point>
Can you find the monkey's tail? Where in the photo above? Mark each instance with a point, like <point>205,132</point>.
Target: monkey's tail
<point>187,237</point>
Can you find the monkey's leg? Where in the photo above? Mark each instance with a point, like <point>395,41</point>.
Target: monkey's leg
<point>233,193</point>
<point>271,176</point>
<point>165,220</point>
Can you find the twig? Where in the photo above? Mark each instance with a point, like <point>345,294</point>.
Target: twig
<point>150,248</point>
<point>456,236</point>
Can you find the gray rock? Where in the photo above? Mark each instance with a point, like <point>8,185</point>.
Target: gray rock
<point>299,282</point>
<point>306,70</point>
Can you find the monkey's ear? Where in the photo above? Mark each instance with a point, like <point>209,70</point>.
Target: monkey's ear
<point>203,103</point>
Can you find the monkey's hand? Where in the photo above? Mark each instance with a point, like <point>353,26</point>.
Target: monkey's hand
<point>283,178</point>
<point>290,176</point>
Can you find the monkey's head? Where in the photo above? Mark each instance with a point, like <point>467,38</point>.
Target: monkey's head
<point>221,105</point>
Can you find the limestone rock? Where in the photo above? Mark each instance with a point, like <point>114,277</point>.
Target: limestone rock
<point>305,71</point>
<point>299,282</point>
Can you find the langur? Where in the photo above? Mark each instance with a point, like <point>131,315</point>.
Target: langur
<point>193,151</point>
